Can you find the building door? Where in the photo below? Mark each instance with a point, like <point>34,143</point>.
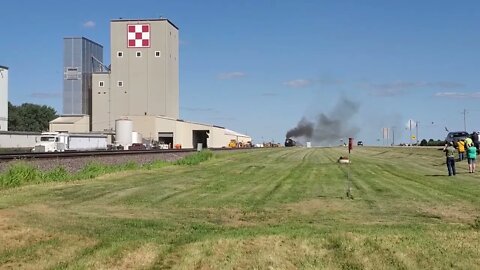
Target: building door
<point>200,136</point>
<point>165,139</point>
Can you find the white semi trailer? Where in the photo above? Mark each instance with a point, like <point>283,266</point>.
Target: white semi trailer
<point>60,142</point>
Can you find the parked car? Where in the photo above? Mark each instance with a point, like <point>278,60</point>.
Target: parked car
<point>456,136</point>
<point>360,143</point>
<point>137,146</point>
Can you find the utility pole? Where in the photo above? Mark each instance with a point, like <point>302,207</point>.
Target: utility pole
<point>416,130</point>
<point>393,136</point>
<point>410,129</point>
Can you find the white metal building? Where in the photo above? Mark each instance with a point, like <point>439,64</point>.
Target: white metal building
<point>3,98</point>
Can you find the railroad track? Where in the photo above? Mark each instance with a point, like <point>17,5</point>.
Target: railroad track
<point>54,155</point>
<point>29,155</point>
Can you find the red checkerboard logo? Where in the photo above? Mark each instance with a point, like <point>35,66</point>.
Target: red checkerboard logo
<point>138,35</point>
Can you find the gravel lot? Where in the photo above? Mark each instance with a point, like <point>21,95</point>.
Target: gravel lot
<point>74,164</point>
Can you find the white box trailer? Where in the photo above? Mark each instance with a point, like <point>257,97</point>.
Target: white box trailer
<point>60,142</point>
<point>82,142</point>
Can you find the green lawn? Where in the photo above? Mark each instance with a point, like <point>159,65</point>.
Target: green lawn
<point>279,208</point>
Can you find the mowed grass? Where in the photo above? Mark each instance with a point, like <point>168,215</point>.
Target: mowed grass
<point>281,208</point>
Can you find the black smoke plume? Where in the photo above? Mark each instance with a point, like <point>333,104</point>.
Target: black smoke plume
<point>328,129</point>
<point>304,128</point>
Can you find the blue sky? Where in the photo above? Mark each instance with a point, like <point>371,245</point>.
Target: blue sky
<point>259,67</point>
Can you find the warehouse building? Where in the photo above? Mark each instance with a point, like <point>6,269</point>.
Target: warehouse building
<point>71,123</point>
<point>142,85</point>
<point>3,98</point>
<point>172,131</point>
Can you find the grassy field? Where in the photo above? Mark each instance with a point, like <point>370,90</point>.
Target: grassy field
<point>282,208</point>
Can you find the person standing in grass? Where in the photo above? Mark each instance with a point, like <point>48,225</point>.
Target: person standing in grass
<point>461,149</point>
<point>468,141</point>
<point>475,139</point>
<point>471,157</point>
<point>450,154</point>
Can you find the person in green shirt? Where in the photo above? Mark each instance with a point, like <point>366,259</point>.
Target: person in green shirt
<point>471,157</point>
<point>450,154</point>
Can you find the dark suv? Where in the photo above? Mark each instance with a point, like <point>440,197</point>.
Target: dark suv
<point>456,136</point>
<point>137,146</point>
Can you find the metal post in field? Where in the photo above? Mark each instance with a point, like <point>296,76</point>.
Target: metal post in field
<point>349,182</point>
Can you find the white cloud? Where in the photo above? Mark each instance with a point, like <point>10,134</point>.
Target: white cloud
<point>89,24</point>
<point>401,87</point>
<point>458,94</point>
<point>299,83</point>
<point>231,75</point>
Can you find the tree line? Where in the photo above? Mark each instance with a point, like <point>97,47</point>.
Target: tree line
<point>432,142</point>
<point>30,117</point>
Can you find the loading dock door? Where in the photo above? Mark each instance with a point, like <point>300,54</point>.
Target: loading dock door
<point>200,136</point>
<point>165,138</point>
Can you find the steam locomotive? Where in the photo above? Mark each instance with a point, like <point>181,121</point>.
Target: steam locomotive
<point>289,142</point>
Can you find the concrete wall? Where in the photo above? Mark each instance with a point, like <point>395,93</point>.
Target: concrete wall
<point>3,98</point>
<point>18,139</point>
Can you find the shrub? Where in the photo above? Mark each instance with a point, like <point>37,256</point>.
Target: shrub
<point>91,170</point>
<point>155,164</point>
<point>57,174</point>
<point>130,165</point>
<point>19,174</point>
<point>195,159</point>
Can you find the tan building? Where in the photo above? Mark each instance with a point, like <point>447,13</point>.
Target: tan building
<point>70,123</point>
<point>143,80</point>
<point>142,85</point>
<point>188,134</point>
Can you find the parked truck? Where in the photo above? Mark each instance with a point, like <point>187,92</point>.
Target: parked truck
<point>60,142</point>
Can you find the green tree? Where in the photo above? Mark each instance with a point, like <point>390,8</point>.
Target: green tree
<point>423,143</point>
<point>432,142</point>
<point>30,117</point>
